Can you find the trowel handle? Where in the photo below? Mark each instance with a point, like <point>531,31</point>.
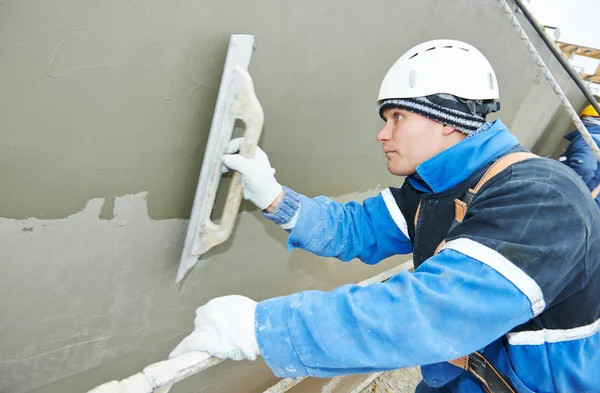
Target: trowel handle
<point>246,108</point>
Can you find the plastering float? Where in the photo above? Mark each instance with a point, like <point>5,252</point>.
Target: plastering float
<point>236,101</point>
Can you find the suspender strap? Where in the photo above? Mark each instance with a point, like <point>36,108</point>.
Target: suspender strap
<point>496,168</point>
<point>596,191</point>
<point>476,363</point>
<point>482,369</point>
<point>460,207</point>
<point>501,165</point>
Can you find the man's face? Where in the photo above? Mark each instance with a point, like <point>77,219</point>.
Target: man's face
<point>409,139</point>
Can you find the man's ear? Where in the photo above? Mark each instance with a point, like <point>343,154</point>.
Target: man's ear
<point>447,130</point>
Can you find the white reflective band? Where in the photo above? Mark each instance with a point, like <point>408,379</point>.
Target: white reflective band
<point>395,212</point>
<point>499,263</point>
<point>540,337</point>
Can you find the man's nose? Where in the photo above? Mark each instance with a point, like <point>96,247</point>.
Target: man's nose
<point>385,134</point>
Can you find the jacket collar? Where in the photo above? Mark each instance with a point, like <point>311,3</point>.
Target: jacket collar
<point>453,165</point>
<point>592,128</point>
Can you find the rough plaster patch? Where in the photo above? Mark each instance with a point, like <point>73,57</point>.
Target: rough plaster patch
<point>51,325</point>
<point>80,291</point>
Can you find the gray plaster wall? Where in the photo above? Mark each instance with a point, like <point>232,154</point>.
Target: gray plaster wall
<point>104,112</point>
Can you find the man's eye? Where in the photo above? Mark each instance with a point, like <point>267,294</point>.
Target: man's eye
<point>398,116</point>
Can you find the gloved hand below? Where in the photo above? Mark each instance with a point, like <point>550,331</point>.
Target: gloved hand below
<point>258,178</point>
<point>224,327</point>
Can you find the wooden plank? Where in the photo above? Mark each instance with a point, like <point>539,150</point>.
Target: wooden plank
<point>579,50</point>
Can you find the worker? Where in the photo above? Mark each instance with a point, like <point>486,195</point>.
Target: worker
<point>579,157</point>
<point>504,295</point>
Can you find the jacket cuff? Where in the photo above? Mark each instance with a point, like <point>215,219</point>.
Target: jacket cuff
<point>288,210</point>
<point>307,226</point>
<point>274,339</point>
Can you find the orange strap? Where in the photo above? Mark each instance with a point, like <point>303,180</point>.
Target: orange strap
<point>460,207</point>
<point>501,165</point>
<point>460,212</point>
<point>596,191</point>
<point>490,379</point>
<point>417,215</point>
<point>460,362</point>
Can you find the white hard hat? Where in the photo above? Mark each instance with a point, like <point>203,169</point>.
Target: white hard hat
<point>441,67</point>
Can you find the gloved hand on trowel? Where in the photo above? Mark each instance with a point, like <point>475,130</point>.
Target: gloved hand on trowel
<point>258,177</point>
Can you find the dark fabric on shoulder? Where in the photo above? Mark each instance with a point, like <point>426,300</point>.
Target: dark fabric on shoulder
<point>435,217</point>
<point>436,213</point>
<point>540,217</point>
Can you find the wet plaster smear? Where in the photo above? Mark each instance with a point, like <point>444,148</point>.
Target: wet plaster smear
<point>85,300</point>
<point>104,116</point>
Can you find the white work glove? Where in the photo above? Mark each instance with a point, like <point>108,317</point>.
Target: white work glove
<point>258,178</point>
<point>224,327</point>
